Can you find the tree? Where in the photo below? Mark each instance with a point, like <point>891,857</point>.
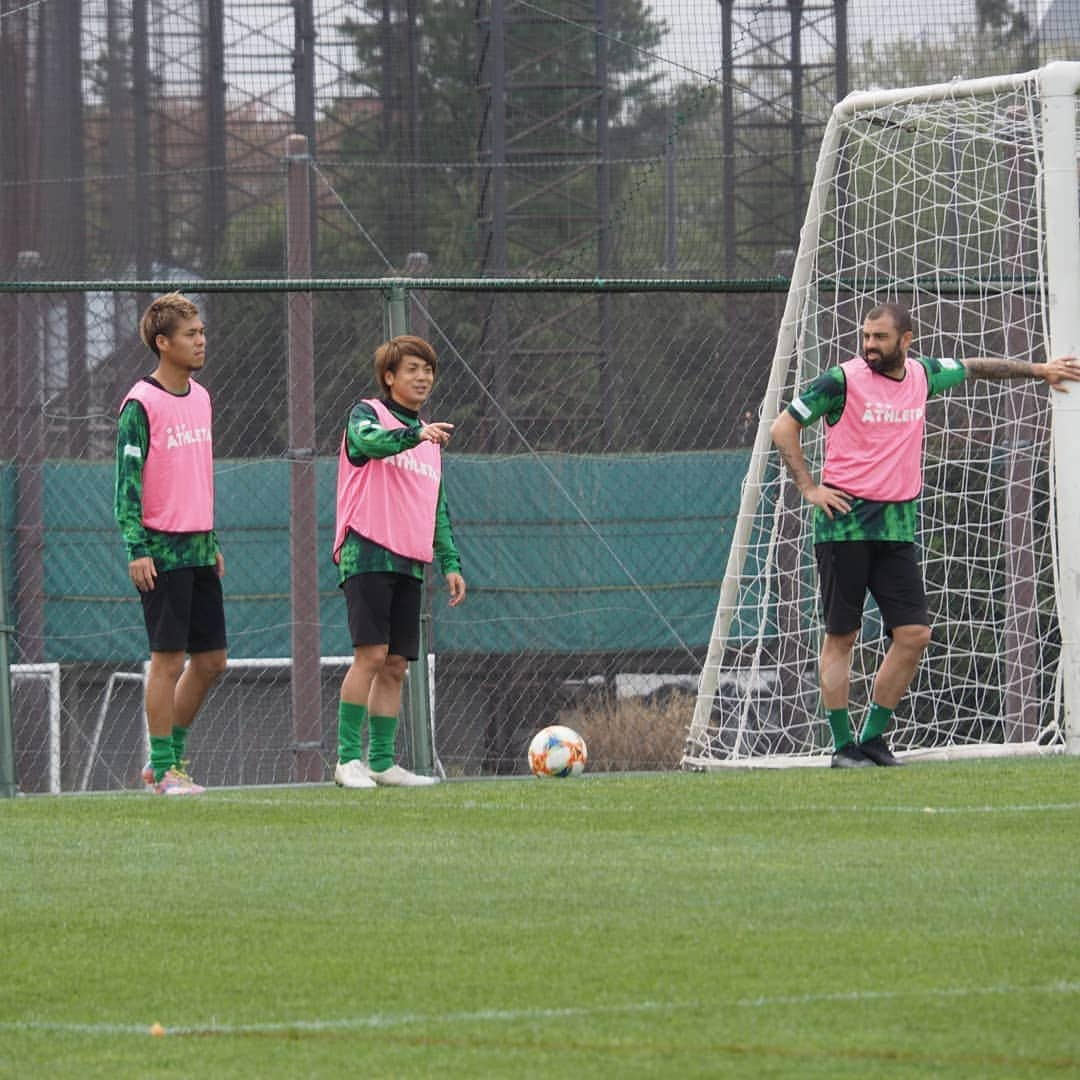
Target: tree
<point>421,66</point>
<point>1006,23</point>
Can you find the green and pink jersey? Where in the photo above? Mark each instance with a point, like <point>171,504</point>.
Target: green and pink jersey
<point>164,500</point>
<point>392,515</point>
<point>874,434</point>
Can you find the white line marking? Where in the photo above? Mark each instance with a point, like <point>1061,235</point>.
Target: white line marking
<point>247,797</point>
<point>372,1021</point>
<point>1059,987</point>
<point>376,1021</point>
<point>217,796</point>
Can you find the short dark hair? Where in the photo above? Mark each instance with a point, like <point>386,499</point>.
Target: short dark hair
<point>899,314</point>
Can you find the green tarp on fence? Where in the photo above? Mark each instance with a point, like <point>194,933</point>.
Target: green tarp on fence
<point>562,553</point>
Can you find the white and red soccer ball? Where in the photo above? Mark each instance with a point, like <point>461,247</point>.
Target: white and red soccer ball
<point>557,751</point>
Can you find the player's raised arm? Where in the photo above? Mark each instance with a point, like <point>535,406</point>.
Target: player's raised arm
<point>1055,372</point>
<point>436,432</point>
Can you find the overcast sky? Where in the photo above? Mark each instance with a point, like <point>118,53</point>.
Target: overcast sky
<point>695,25</point>
<point>260,38</point>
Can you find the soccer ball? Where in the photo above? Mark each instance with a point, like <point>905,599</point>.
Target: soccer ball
<point>557,751</point>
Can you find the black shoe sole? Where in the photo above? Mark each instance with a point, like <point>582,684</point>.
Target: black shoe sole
<point>842,761</point>
<point>877,750</point>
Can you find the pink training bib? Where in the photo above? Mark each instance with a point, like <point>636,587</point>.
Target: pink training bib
<point>391,501</point>
<point>874,451</point>
<point>178,473</point>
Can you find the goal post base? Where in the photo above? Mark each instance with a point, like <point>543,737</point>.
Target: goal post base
<point>817,761</point>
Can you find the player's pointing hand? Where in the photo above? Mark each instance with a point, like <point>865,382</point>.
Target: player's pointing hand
<point>437,433</point>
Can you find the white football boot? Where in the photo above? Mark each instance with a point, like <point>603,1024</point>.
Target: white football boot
<point>353,774</point>
<point>396,776</point>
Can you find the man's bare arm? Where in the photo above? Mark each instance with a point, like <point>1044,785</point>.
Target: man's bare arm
<point>1055,372</point>
<point>787,437</point>
<point>786,434</point>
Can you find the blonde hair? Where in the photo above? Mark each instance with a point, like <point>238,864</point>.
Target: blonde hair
<point>163,316</point>
<point>390,354</point>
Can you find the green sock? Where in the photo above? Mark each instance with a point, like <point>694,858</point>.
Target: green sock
<point>381,752</point>
<point>162,755</point>
<point>840,726</point>
<point>179,741</point>
<point>877,720</point>
<point>350,727</point>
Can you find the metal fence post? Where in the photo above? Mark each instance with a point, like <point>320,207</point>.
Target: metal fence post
<point>29,392</point>
<point>418,709</point>
<point>8,778</point>
<point>303,532</point>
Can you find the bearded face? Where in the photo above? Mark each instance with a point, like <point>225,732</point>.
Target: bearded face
<point>884,361</point>
<point>884,347</point>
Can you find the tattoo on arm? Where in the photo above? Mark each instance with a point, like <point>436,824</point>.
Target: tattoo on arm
<point>988,367</point>
<point>796,468</point>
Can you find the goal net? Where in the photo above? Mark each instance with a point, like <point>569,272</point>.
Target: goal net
<point>960,202</point>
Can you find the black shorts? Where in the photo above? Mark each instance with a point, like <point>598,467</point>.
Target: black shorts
<point>888,569</point>
<point>185,611</point>
<point>384,609</point>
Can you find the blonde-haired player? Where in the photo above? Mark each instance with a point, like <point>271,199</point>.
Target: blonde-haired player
<point>392,520</point>
<point>165,510</point>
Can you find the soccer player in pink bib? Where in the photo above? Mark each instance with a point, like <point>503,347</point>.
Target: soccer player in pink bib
<point>392,520</point>
<point>866,505</point>
<point>165,509</point>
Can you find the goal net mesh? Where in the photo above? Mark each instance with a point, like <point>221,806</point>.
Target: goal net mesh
<point>935,203</point>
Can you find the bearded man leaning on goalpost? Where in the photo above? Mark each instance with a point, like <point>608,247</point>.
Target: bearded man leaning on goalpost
<point>866,506</point>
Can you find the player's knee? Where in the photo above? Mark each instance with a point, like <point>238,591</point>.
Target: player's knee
<point>916,638</point>
<point>167,665</point>
<point>369,659</point>
<point>395,667</point>
<point>211,665</point>
<point>841,643</point>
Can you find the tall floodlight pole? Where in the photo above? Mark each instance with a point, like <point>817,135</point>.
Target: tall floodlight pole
<point>304,99</point>
<point>763,199</point>
<point>498,330</point>
<point>841,50</point>
<point>727,107</point>
<point>609,393</point>
<point>303,533</point>
<point>143,185</point>
<point>215,192</point>
<point>413,174</point>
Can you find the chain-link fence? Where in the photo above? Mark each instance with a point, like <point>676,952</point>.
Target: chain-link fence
<point>139,138</point>
<point>592,485</point>
<point>600,433</point>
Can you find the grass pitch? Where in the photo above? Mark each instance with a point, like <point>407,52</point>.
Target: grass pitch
<point>911,922</point>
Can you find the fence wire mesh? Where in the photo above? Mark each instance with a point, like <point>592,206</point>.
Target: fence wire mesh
<point>592,484</point>
<point>599,433</point>
<point>143,137</point>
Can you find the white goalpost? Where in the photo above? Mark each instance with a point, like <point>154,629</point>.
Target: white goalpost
<point>961,202</point>
<point>49,675</point>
